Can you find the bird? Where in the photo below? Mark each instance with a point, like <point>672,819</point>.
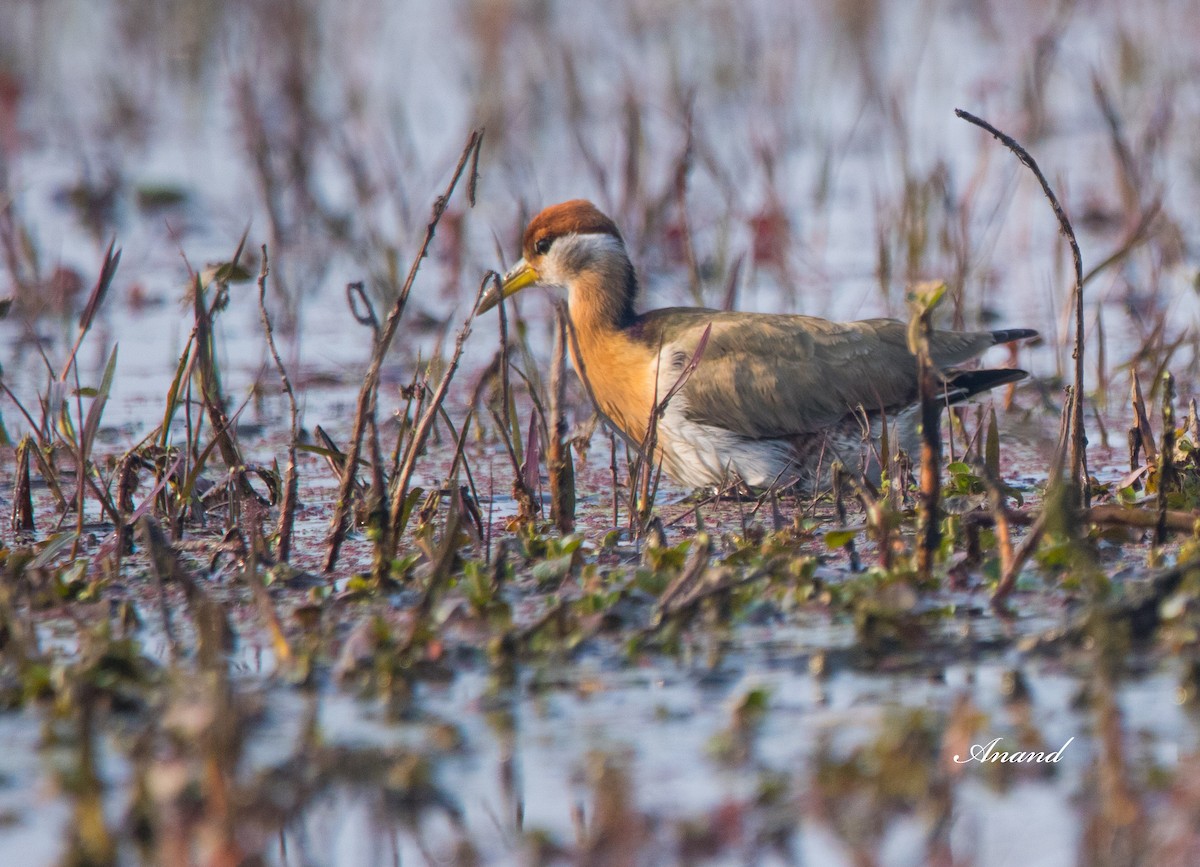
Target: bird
<point>757,400</point>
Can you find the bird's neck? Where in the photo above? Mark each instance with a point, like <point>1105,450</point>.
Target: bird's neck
<point>601,296</point>
<point>618,368</point>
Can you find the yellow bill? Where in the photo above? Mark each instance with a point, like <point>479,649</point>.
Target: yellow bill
<point>519,276</point>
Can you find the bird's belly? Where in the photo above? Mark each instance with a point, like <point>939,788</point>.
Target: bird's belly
<point>701,455</point>
<point>707,456</point>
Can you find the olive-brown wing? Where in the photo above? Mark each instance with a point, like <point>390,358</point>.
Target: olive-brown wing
<point>779,375</point>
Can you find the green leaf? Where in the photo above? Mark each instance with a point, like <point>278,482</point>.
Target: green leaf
<point>55,545</point>
<point>226,272</point>
<point>927,295</point>
<point>185,494</point>
<point>156,196</point>
<point>406,509</point>
<point>173,393</point>
<point>839,538</point>
<point>553,570</point>
<point>96,410</point>
<point>569,544</point>
<point>991,450</point>
<point>360,584</point>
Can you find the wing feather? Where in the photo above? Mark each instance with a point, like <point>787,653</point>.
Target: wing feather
<point>781,375</point>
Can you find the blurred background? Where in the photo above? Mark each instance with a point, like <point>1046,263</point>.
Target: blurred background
<point>775,156</point>
<point>757,154</point>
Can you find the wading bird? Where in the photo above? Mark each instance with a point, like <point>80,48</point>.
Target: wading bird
<point>770,399</point>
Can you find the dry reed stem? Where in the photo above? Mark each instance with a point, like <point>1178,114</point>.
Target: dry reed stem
<point>1142,429</point>
<point>210,388</point>
<point>1078,436</point>
<point>996,497</point>
<point>646,474</point>
<point>22,508</point>
<point>1008,578</point>
<point>929,531</point>
<point>459,458</point>
<point>523,493</point>
<point>1102,380</point>
<point>1103,515</point>
<point>558,452</point>
<point>1168,474</point>
<point>1138,234</point>
<point>33,425</point>
<point>424,426</point>
<point>287,506</point>
<point>376,514</point>
<point>368,393</point>
<point>127,483</point>
<point>266,606</point>
<point>511,435</point>
<point>441,566</point>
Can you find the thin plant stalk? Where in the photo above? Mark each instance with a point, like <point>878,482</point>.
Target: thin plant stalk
<point>1078,435</point>
<point>22,510</point>
<point>287,506</point>
<point>368,393</point>
<point>558,452</point>
<point>424,426</point>
<point>928,520</point>
<point>1168,473</point>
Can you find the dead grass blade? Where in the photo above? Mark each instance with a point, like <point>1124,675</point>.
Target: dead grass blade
<point>112,258</point>
<point>1141,431</point>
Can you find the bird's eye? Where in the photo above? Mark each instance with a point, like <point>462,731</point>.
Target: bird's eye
<point>542,247</point>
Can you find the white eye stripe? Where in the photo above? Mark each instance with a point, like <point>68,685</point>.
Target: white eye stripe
<point>572,254</point>
<point>587,245</point>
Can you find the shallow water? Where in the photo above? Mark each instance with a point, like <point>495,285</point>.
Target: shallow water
<point>824,150</point>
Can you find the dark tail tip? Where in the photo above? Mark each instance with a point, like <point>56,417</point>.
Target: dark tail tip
<point>963,384</point>
<point>1008,335</point>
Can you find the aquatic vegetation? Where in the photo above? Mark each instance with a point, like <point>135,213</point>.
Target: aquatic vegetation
<point>303,562</point>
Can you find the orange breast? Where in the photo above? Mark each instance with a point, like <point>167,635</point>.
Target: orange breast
<point>621,375</point>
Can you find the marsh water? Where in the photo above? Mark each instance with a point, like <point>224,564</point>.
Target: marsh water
<point>781,157</point>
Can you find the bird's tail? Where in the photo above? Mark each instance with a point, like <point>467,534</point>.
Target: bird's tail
<point>1008,335</point>
<point>963,384</point>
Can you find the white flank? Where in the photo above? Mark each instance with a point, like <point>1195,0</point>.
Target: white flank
<point>702,455</point>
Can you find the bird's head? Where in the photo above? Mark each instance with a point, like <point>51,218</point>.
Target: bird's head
<point>575,246</point>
